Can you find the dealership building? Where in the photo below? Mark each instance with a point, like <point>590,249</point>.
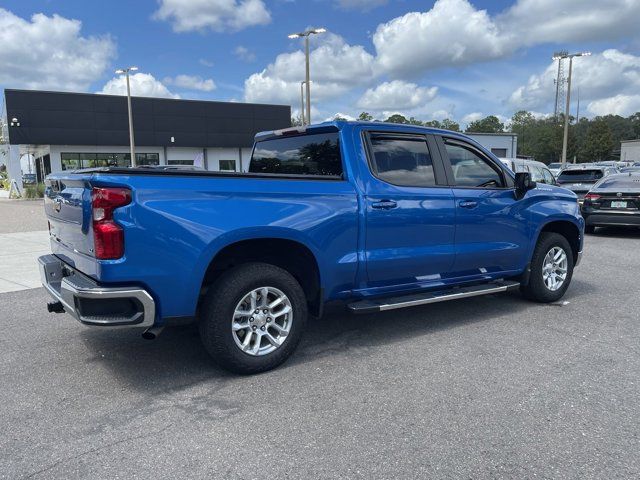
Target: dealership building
<point>64,131</point>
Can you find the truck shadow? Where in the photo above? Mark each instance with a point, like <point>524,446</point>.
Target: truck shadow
<point>177,359</point>
<point>617,232</point>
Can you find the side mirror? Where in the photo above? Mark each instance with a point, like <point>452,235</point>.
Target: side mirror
<point>523,184</point>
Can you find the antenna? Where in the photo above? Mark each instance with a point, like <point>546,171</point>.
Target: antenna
<point>560,81</point>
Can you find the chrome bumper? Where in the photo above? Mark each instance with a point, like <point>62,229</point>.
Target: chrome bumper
<point>92,304</point>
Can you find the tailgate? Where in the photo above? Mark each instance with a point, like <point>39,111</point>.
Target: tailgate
<point>67,203</point>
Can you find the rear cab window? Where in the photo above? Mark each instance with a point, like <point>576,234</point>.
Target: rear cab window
<point>306,155</point>
<point>586,175</point>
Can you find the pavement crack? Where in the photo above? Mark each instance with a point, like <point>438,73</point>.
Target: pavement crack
<point>96,449</point>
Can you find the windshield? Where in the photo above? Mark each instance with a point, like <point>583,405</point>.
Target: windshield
<point>580,175</point>
<point>555,165</point>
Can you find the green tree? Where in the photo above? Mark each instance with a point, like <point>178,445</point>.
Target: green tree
<point>365,117</point>
<point>397,118</point>
<point>339,118</point>
<point>296,121</point>
<point>433,124</point>
<point>522,123</point>
<point>489,124</point>
<point>449,124</point>
<point>598,144</point>
<point>415,121</point>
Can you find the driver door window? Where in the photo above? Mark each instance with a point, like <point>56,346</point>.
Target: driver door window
<point>470,169</point>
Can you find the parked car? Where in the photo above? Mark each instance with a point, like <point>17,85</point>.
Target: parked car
<point>538,170</point>
<point>630,169</point>
<point>555,168</point>
<point>376,216</point>
<point>581,178</point>
<point>614,200</point>
<point>29,179</point>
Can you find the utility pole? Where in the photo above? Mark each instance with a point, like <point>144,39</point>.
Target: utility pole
<point>306,34</point>
<point>131,139</point>
<point>302,103</point>
<point>565,137</point>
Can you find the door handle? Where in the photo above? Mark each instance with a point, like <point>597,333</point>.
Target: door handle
<point>384,205</point>
<point>468,204</point>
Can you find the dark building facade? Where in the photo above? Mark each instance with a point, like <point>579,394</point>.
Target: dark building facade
<point>71,130</point>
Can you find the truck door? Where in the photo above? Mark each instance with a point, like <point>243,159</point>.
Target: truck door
<point>410,211</point>
<point>491,225</point>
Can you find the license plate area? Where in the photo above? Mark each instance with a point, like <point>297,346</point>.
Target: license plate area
<point>619,204</point>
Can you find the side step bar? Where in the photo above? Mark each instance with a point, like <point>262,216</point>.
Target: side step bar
<point>391,303</point>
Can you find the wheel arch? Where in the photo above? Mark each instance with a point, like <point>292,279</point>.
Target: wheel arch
<point>290,254</point>
<point>568,230</point>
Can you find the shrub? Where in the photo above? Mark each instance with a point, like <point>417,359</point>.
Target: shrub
<point>34,191</point>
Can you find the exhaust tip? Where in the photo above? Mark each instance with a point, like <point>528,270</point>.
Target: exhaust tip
<point>152,333</point>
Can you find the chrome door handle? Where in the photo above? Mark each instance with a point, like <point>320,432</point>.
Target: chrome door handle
<point>384,205</point>
<point>468,204</point>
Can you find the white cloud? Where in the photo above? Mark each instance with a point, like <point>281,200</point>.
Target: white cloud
<point>335,67</point>
<point>624,105</point>
<point>472,117</point>
<point>607,79</point>
<point>244,54</point>
<point>340,115</point>
<point>396,94</point>
<point>206,63</point>
<point>192,82</point>
<point>142,85</point>
<point>216,15</point>
<point>453,32</point>
<point>50,53</point>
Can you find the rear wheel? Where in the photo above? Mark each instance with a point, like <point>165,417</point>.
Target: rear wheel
<point>551,269</point>
<point>253,317</point>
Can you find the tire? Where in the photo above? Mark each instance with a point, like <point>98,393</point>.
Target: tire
<point>591,229</point>
<point>218,315</point>
<point>538,289</point>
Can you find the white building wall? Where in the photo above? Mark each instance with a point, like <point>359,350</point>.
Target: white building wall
<point>491,142</point>
<point>214,155</point>
<point>630,151</point>
<point>185,153</point>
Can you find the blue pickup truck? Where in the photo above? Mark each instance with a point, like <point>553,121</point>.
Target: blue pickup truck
<point>373,216</point>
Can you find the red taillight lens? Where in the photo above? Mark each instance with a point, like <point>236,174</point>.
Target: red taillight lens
<point>108,236</point>
<point>592,197</point>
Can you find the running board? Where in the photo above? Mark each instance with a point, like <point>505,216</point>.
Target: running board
<point>391,303</point>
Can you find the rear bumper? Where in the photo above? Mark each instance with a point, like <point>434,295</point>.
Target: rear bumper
<point>93,304</point>
<point>612,218</point>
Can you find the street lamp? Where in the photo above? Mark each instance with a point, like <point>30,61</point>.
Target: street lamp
<point>302,101</point>
<point>565,138</point>
<point>131,140</point>
<point>306,34</point>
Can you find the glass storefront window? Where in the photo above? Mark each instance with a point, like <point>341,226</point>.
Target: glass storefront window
<point>70,161</point>
<point>74,161</point>
<point>227,165</point>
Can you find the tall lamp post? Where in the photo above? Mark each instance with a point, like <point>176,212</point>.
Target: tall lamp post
<point>565,137</point>
<point>302,102</point>
<point>306,34</point>
<point>131,139</point>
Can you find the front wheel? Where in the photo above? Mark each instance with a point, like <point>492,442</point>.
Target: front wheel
<point>551,269</point>
<point>253,318</point>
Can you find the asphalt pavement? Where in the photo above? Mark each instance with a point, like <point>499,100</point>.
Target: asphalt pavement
<point>490,387</point>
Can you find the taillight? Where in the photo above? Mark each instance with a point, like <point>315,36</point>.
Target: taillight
<point>108,236</point>
<point>592,197</point>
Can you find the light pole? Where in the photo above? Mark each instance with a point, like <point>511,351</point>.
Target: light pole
<point>565,137</point>
<point>306,34</point>
<point>302,102</point>
<point>131,140</point>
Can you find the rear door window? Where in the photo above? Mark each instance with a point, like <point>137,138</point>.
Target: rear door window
<point>315,154</point>
<point>403,161</point>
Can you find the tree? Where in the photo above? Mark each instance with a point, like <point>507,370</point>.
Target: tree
<point>365,117</point>
<point>449,124</point>
<point>520,123</point>
<point>415,121</point>
<point>489,124</point>
<point>296,121</point>
<point>339,118</point>
<point>397,118</point>
<point>432,124</point>
<point>598,144</point>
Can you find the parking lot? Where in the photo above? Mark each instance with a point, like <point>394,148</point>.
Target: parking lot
<point>482,388</point>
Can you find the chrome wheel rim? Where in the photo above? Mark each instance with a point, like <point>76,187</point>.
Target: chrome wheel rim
<point>554,268</point>
<point>261,321</point>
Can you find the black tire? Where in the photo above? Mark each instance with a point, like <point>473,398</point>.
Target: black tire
<point>536,289</point>
<point>217,313</point>
<point>591,229</point>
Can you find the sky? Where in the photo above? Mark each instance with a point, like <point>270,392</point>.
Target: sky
<point>459,59</point>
